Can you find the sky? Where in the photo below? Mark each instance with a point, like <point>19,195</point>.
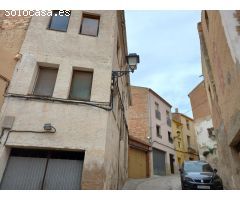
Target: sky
<point>169,49</point>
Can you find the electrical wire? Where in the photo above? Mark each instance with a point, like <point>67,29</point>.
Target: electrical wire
<point>24,131</point>
<point>102,105</point>
<point>174,148</point>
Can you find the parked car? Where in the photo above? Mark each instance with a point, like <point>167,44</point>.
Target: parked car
<point>199,175</point>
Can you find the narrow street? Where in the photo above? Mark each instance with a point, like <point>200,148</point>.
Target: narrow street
<point>171,182</point>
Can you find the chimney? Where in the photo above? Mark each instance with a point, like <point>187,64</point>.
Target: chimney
<point>176,110</point>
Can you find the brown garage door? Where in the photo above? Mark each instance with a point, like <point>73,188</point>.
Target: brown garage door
<point>137,163</point>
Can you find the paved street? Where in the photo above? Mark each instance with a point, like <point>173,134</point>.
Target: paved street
<point>154,183</point>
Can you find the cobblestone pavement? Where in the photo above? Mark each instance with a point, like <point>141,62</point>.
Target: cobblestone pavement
<point>154,183</point>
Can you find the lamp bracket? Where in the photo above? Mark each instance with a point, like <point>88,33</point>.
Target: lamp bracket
<point>116,74</point>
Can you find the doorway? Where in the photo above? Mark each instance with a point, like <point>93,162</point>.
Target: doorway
<point>172,163</point>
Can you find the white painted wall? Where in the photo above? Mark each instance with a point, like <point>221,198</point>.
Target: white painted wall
<point>204,142</point>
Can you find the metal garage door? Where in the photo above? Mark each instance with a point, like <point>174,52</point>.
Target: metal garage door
<point>137,163</point>
<point>63,174</point>
<point>159,165</point>
<point>24,173</point>
<point>48,170</point>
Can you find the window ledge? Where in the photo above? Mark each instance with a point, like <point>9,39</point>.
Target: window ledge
<point>56,30</point>
<point>95,36</point>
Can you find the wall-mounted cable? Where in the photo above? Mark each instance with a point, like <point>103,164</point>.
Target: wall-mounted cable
<point>53,130</point>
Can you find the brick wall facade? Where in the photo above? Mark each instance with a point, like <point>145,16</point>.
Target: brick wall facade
<point>139,114</point>
<point>199,102</point>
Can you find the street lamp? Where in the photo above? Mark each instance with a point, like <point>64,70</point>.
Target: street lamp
<point>132,60</point>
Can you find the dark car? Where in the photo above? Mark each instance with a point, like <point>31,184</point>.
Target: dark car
<point>199,175</point>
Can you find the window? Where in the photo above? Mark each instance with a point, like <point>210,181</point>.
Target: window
<point>157,112</point>
<point>45,81</point>
<point>170,139</point>
<point>179,144</point>
<point>59,20</point>
<point>178,133</point>
<point>169,123</point>
<point>81,85</point>
<point>179,161</point>
<point>188,141</point>
<point>187,124</point>
<point>90,25</point>
<point>158,130</point>
<point>211,133</point>
<point>167,113</point>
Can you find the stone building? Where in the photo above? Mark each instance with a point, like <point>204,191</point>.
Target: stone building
<point>64,122</point>
<point>185,134</point>
<point>150,121</point>
<point>219,34</point>
<point>206,138</point>
<point>12,33</point>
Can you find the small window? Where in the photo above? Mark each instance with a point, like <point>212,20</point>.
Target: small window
<point>81,85</point>
<point>59,20</point>
<point>90,25</point>
<point>210,132</point>
<point>169,122</point>
<point>188,141</point>
<point>170,139</point>
<point>168,113</point>
<point>158,131</point>
<point>157,112</point>
<point>45,81</point>
<point>188,125</point>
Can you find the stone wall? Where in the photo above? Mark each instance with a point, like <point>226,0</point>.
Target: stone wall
<point>220,57</point>
<point>12,33</point>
